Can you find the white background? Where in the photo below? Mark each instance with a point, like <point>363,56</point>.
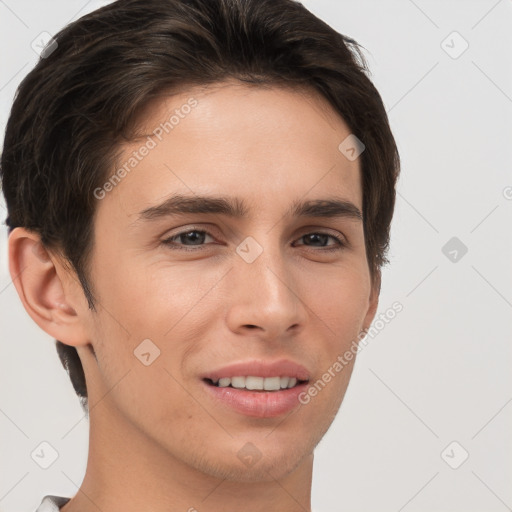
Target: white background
<point>440,371</point>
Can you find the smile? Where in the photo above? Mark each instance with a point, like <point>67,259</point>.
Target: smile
<point>256,403</point>
<point>254,383</point>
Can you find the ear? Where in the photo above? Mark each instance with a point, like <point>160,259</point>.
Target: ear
<point>47,290</point>
<point>373,301</point>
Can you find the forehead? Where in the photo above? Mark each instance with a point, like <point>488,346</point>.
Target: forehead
<point>269,146</point>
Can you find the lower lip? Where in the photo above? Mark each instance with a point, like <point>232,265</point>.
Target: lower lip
<point>259,404</point>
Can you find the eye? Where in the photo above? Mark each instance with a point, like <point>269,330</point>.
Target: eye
<point>193,240</point>
<point>322,238</point>
<point>190,240</point>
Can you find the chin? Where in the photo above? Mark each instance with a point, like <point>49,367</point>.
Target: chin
<point>270,464</point>
<point>267,469</point>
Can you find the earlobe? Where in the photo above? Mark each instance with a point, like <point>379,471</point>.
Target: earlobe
<point>44,288</point>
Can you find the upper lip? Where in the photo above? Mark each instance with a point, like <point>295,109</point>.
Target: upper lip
<point>260,368</point>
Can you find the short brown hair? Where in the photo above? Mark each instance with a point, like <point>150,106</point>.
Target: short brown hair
<point>72,111</point>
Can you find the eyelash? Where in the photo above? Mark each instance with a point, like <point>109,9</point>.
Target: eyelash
<point>341,244</point>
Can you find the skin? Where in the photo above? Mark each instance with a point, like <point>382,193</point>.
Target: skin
<point>157,441</point>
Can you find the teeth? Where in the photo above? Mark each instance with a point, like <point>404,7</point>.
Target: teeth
<point>224,382</point>
<point>272,383</point>
<point>258,383</point>
<point>254,382</point>
<point>238,382</point>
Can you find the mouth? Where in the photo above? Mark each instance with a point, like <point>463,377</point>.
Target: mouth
<point>257,388</point>
<point>257,384</point>
<point>233,394</point>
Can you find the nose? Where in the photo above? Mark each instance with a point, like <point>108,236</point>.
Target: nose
<point>265,295</point>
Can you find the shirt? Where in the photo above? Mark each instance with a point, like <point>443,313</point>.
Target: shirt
<point>51,503</point>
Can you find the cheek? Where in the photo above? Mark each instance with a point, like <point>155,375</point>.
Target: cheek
<point>154,314</point>
<point>339,300</point>
<point>147,300</point>
<point>151,398</point>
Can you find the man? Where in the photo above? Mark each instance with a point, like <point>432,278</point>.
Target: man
<point>199,200</point>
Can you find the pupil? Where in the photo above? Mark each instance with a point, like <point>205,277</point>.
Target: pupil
<point>316,236</point>
<point>193,236</point>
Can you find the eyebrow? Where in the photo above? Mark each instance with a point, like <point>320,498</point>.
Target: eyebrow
<point>234,207</point>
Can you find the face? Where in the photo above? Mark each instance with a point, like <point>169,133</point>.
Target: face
<point>184,294</point>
